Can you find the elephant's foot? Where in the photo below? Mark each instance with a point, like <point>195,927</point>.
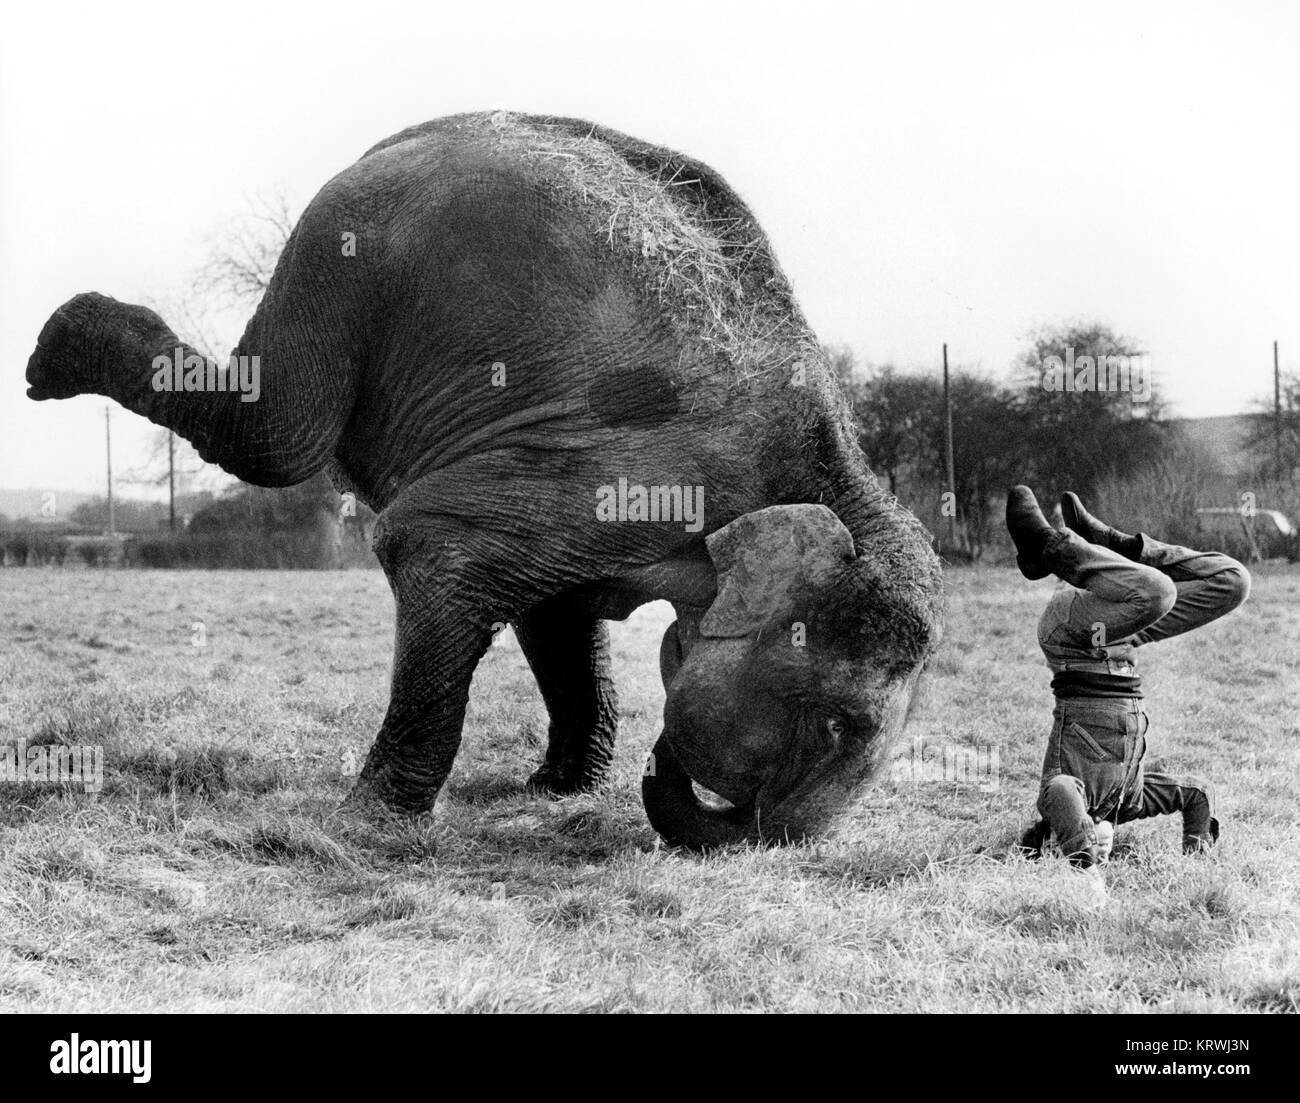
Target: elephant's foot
<point>366,812</point>
<point>365,821</point>
<point>366,803</point>
<point>566,779</point>
<point>388,794</point>
<point>568,651</point>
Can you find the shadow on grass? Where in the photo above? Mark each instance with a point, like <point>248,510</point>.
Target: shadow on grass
<point>556,836</point>
<point>486,788</point>
<point>880,867</point>
<point>198,771</point>
<point>1277,999</point>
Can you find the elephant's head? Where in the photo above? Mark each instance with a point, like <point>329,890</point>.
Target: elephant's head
<point>798,684</point>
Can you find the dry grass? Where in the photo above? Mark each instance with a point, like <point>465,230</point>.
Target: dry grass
<point>213,873</point>
<point>707,259</point>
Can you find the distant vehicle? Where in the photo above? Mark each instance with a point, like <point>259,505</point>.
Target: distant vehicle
<point>1259,534</point>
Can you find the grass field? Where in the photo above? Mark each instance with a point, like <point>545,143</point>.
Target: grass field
<point>211,872</point>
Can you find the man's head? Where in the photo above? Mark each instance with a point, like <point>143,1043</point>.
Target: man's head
<point>1105,840</point>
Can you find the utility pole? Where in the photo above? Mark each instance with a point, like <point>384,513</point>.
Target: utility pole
<point>947,448</point>
<point>1277,414</point>
<point>171,481</point>
<point>108,453</point>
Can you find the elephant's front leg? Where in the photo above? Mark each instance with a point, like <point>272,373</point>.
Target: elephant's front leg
<point>568,650</point>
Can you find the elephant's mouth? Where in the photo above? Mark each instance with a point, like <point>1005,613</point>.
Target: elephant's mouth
<point>718,803</point>
<point>700,772</point>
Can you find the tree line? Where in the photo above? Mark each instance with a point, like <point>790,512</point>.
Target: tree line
<point>1109,439</point>
<point>1055,422</point>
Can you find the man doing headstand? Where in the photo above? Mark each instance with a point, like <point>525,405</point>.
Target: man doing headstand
<point>1121,593</point>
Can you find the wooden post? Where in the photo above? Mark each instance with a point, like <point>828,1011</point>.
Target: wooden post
<point>171,481</point>
<point>108,454</point>
<point>947,448</point>
<point>1277,414</point>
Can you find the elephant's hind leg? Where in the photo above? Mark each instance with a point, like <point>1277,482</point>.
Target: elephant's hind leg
<point>439,570</point>
<point>568,650</point>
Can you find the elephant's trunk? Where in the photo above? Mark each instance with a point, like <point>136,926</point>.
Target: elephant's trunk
<point>273,419</point>
<point>678,814</point>
<point>683,820</point>
<point>835,473</point>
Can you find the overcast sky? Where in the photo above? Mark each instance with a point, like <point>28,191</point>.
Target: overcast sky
<point>928,173</point>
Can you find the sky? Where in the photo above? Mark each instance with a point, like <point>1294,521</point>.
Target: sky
<point>927,173</point>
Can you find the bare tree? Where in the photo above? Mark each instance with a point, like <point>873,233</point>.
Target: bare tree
<point>1274,438</point>
<point>244,255</point>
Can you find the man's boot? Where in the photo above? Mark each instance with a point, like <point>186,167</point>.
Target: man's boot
<point>1040,549</point>
<point>1030,531</point>
<point>1096,531</point>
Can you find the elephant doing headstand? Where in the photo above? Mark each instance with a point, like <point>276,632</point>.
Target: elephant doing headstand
<point>484,327</point>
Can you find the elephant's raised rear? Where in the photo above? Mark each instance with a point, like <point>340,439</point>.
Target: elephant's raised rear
<point>515,336</point>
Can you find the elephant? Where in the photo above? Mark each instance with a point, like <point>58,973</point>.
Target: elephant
<point>567,372</point>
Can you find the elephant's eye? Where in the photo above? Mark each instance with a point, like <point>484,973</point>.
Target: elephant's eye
<point>835,728</point>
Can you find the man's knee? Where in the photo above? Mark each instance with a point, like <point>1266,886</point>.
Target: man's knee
<point>1157,596</point>
<point>1062,792</point>
<point>1232,586</point>
<point>1062,804</point>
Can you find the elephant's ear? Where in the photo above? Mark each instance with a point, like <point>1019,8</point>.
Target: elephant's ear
<point>765,558</point>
